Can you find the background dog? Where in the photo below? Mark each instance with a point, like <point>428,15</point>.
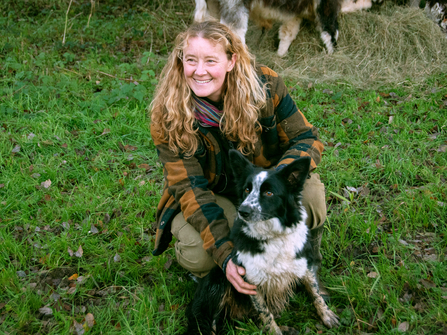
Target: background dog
<point>235,13</point>
<point>271,242</point>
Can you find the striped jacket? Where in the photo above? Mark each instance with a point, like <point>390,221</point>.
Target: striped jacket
<point>286,135</point>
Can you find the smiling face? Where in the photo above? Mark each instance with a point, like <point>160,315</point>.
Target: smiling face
<point>205,65</point>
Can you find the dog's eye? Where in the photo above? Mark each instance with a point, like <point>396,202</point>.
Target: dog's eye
<point>247,190</point>
<point>269,194</point>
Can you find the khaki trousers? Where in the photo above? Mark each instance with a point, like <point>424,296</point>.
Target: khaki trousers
<point>188,247</point>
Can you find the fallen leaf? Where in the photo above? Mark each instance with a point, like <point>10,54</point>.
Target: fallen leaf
<point>351,189</point>
<point>93,229</point>
<point>144,166</point>
<point>427,283</point>
<point>2,185</point>
<point>71,290</point>
<point>81,279</point>
<point>105,131</point>
<point>141,183</point>
<point>128,147</point>
<point>378,164</point>
<point>46,310</point>
<point>46,184</point>
<point>168,264</point>
<point>70,252</point>
<point>80,252</point>
<point>21,274</point>
<point>66,225</point>
<point>431,258</point>
<point>73,277</point>
<point>78,328</point>
<point>403,327</point>
<point>90,320</point>
<point>117,258</point>
<point>35,175</point>
<point>55,296</point>
<point>16,149</point>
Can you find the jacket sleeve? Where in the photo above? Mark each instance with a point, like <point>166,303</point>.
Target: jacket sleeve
<point>186,182</point>
<point>297,136</point>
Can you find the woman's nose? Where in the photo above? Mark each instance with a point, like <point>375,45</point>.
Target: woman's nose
<point>200,69</point>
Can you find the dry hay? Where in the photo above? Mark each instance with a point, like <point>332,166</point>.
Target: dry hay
<point>393,46</point>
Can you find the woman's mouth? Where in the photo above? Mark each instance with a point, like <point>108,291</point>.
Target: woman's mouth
<point>202,81</point>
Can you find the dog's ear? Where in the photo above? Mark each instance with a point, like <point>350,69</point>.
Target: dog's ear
<point>296,172</point>
<point>240,166</point>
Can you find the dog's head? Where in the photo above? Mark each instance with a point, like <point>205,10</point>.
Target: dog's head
<point>269,198</point>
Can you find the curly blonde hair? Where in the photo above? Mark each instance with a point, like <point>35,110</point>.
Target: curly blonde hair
<point>172,110</point>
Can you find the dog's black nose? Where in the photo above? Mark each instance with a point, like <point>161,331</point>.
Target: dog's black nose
<point>245,212</point>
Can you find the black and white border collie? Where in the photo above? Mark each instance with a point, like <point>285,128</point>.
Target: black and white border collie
<point>235,14</point>
<point>271,242</point>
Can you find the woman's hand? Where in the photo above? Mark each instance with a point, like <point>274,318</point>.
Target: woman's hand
<point>234,275</point>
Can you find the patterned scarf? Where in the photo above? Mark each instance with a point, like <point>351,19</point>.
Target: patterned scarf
<point>207,114</point>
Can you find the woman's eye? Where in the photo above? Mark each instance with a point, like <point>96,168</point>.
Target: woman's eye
<point>268,194</point>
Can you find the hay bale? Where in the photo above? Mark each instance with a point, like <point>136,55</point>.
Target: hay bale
<point>396,45</point>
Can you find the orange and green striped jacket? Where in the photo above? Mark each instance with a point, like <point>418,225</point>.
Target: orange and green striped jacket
<point>286,135</point>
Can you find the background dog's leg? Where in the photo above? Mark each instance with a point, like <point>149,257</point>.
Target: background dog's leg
<point>287,33</point>
<point>201,11</point>
<point>329,318</point>
<point>265,314</point>
<point>327,23</point>
<point>235,15</point>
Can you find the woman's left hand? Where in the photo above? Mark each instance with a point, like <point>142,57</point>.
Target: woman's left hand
<point>234,275</point>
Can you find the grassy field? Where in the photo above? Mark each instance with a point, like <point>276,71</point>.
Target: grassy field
<point>80,181</point>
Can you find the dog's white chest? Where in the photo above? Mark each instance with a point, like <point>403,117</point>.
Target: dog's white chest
<point>278,262</point>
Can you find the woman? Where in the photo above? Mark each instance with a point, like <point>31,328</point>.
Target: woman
<point>212,97</point>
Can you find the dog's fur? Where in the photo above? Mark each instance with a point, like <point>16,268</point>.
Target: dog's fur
<point>235,13</point>
<point>271,242</point>
<point>436,10</point>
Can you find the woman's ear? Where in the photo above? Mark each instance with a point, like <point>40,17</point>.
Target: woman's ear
<point>232,62</point>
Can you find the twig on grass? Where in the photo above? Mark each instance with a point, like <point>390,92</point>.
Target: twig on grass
<point>61,68</point>
<point>357,319</point>
<point>12,94</point>
<point>133,294</point>
<point>92,8</point>
<point>66,21</point>
<point>112,76</point>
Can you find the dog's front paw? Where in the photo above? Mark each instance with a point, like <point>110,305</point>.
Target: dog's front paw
<point>330,319</point>
<point>289,330</point>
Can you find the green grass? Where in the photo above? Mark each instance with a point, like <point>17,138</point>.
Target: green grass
<point>75,114</point>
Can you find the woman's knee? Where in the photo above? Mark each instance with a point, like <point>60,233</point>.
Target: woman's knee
<point>314,201</point>
<point>189,249</point>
